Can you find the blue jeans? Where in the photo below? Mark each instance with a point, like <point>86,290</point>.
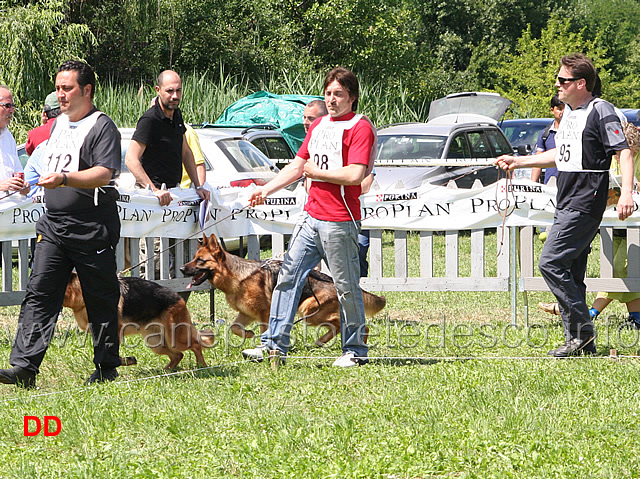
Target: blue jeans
<point>312,241</point>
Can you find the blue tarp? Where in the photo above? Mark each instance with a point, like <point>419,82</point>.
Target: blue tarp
<point>282,111</point>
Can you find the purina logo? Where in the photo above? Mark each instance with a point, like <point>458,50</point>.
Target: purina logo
<point>397,196</point>
<point>189,203</point>
<point>525,189</point>
<point>289,201</point>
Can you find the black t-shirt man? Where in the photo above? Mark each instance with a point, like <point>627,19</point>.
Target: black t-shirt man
<point>162,136</point>
<point>101,147</point>
<point>586,140</point>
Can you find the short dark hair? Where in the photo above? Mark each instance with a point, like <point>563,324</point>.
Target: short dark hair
<point>347,80</point>
<point>319,104</point>
<point>85,74</point>
<point>581,67</point>
<point>556,102</point>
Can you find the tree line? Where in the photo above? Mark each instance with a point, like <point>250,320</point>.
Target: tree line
<point>426,48</point>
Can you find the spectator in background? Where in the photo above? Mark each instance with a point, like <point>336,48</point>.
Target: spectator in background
<point>546,140</point>
<point>314,109</point>
<point>9,162</point>
<point>159,147</point>
<point>41,133</point>
<point>36,165</point>
<point>198,157</point>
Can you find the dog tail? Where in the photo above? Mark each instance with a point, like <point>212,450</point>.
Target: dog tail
<point>373,303</point>
<point>206,337</point>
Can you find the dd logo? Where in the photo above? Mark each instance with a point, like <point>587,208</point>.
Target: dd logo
<point>38,425</point>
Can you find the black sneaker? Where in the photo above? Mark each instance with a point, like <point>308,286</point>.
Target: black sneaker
<point>575,347</point>
<point>102,376</point>
<point>21,377</point>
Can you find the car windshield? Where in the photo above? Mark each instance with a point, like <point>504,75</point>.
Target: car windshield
<point>405,147</point>
<point>243,155</point>
<point>523,133</point>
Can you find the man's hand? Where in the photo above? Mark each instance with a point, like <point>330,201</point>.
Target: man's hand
<point>625,206</point>
<point>311,170</point>
<point>164,197</point>
<point>51,181</point>
<point>204,193</point>
<point>13,184</point>
<point>507,162</point>
<point>257,197</point>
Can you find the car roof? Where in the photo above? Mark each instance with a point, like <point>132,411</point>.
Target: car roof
<point>526,121</point>
<point>207,133</point>
<point>430,128</point>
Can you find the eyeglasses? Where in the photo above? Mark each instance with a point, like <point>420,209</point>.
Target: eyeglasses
<point>563,80</point>
<point>9,105</point>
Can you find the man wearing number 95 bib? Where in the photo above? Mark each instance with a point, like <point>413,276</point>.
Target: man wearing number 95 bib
<point>589,134</point>
<point>336,155</point>
<point>79,230</point>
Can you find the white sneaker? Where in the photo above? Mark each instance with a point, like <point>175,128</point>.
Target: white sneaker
<point>256,354</point>
<point>348,360</point>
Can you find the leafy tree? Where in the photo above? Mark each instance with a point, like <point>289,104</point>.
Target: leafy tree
<point>34,40</point>
<point>376,37</point>
<point>528,75</point>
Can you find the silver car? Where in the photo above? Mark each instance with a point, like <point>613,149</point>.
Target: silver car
<point>457,143</point>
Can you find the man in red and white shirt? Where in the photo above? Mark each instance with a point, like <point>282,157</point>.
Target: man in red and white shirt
<point>336,155</point>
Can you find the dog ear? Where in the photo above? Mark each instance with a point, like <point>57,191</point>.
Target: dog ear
<point>213,242</point>
<point>216,249</point>
<point>203,241</point>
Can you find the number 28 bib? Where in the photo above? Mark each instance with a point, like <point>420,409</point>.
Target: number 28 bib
<point>325,144</point>
<point>62,153</point>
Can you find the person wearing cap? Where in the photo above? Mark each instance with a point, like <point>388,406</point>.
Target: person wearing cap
<point>41,133</point>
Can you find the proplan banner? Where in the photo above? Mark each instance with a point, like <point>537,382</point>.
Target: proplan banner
<point>430,208</point>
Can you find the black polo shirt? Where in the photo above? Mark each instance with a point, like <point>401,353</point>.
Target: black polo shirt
<point>585,142</point>
<point>162,136</point>
<point>101,147</point>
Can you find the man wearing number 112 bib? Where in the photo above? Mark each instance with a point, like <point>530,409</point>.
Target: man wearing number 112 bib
<point>589,135</point>
<point>80,230</point>
<point>336,155</point>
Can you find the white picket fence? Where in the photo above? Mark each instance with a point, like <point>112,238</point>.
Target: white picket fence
<point>515,266</point>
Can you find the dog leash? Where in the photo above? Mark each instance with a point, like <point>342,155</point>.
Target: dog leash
<point>183,240</point>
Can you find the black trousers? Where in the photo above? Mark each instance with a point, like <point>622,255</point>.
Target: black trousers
<point>563,265</point>
<point>64,243</point>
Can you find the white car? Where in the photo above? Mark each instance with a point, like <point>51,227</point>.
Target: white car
<point>229,160</point>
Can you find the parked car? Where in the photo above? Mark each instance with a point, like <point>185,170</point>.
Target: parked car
<point>523,133</point>
<point>632,114</point>
<point>461,128</point>
<point>229,160</point>
<point>266,138</point>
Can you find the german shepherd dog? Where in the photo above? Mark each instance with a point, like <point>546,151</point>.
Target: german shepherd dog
<point>157,313</point>
<point>248,286</point>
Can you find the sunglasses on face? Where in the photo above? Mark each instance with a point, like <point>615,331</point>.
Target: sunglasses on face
<point>8,105</point>
<point>563,80</point>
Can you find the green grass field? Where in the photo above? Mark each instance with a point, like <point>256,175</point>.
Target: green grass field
<point>453,391</point>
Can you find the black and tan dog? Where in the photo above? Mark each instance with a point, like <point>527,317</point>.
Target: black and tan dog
<point>248,285</point>
<point>157,313</point>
